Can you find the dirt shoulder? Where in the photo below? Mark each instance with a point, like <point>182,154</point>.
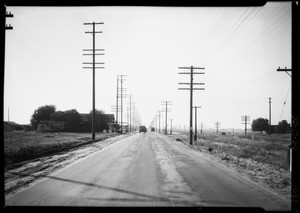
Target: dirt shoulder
<point>273,178</point>
<point>23,174</point>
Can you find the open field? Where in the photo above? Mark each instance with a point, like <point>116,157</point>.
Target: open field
<point>21,146</point>
<point>264,159</point>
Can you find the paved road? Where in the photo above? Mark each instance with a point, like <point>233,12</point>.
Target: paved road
<point>146,170</point>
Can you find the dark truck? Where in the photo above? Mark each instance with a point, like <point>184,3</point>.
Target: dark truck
<point>143,129</point>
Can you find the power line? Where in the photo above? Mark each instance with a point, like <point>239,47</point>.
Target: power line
<point>223,21</point>
<point>222,42</point>
<point>83,14</point>
<point>268,28</point>
<point>231,33</point>
<point>270,37</point>
<point>253,34</point>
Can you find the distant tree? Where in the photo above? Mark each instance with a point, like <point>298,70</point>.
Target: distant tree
<point>58,116</point>
<point>71,117</point>
<point>283,127</point>
<point>43,113</point>
<point>260,124</point>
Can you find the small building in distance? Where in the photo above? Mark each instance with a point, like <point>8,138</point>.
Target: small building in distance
<point>51,126</point>
<point>102,121</point>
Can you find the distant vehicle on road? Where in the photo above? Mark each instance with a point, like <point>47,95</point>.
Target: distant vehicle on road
<point>143,129</point>
<point>152,129</point>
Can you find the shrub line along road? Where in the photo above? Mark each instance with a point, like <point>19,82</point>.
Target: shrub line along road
<point>146,169</point>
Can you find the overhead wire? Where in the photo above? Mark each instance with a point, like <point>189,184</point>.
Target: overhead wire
<point>77,18</point>
<point>224,21</point>
<point>268,39</point>
<point>213,33</point>
<point>92,14</point>
<point>269,27</point>
<point>253,34</point>
<point>232,34</point>
<point>285,100</point>
<point>214,17</point>
<point>216,49</point>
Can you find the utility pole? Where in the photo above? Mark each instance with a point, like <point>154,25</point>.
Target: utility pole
<point>171,127</point>
<point>130,112</point>
<point>127,119</point>
<point>117,110</point>
<point>159,121</point>
<point>270,116</point>
<point>133,116</point>
<point>8,115</point>
<point>121,89</point>
<point>166,103</point>
<point>245,118</point>
<point>295,173</point>
<point>93,67</point>
<point>217,124</point>
<point>195,136</point>
<point>191,73</point>
<point>201,127</point>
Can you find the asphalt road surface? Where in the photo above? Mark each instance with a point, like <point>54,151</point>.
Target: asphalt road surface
<point>146,169</point>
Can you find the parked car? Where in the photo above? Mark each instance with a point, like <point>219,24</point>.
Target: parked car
<point>152,129</point>
<point>143,129</point>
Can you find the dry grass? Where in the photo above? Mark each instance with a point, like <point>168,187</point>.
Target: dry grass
<point>264,159</point>
<point>20,146</point>
<point>267,149</point>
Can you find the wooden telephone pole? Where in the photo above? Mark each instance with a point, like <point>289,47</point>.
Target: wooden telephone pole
<point>195,135</point>
<point>93,67</point>
<point>166,103</point>
<point>191,73</point>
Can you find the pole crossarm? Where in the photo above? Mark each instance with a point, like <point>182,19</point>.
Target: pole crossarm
<point>193,83</point>
<point>285,70</point>
<point>9,27</point>
<point>94,32</point>
<point>93,23</point>
<point>190,89</point>
<point>8,15</point>
<point>191,73</point>
<point>93,50</point>
<point>92,63</point>
<point>93,54</point>
<point>93,67</point>
<point>202,68</point>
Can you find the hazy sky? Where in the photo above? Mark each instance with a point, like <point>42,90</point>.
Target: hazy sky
<point>240,49</point>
